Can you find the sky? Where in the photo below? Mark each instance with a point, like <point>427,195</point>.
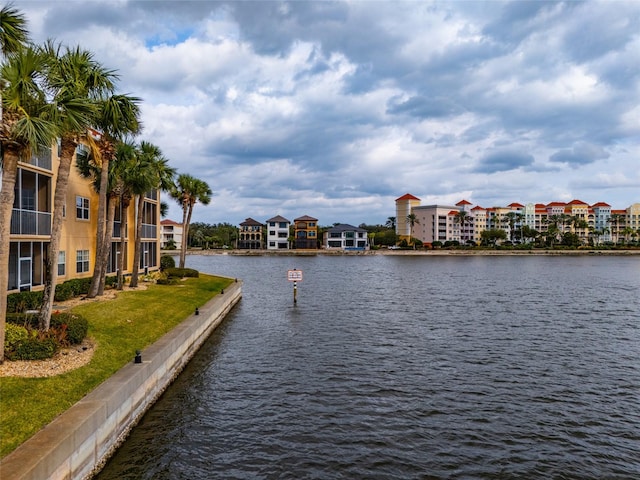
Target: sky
<point>335,109</point>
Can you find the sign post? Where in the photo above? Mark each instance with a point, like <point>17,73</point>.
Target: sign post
<point>294,276</point>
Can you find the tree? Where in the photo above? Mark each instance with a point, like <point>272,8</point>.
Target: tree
<point>74,81</point>
<point>13,35</point>
<point>153,173</point>
<point>492,235</point>
<point>412,220</point>
<point>461,218</point>
<point>391,223</point>
<point>614,220</point>
<point>125,169</point>
<point>511,219</point>
<point>25,128</point>
<point>117,117</point>
<point>187,192</point>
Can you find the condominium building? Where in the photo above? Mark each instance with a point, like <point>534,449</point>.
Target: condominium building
<point>465,224</point>
<point>30,231</point>
<point>170,234</point>
<point>278,233</point>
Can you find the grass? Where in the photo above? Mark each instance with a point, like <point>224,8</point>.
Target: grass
<point>130,322</point>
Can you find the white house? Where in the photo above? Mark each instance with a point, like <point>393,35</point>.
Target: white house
<point>346,237</point>
<point>278,233</point>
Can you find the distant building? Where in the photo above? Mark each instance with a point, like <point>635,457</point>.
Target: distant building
<point>346,237</point>
<point>306,232</point>
<point>589,223</point>
<point>278,233</point>
<point>170,233</point>
<point>250,235</point>
<point>404,207</point>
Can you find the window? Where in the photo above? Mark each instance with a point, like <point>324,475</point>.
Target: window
<point>282,225</point>
<point>82,208</point>
<point>272,232</point>
<point>62,260</point>
<point>82,261</point>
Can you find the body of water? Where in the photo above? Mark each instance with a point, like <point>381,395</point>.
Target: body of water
<point>407,367</point>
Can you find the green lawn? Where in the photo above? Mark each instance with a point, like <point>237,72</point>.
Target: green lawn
<point>130,322</point>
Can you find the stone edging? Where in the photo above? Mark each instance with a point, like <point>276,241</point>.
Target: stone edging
<point>77,443</point>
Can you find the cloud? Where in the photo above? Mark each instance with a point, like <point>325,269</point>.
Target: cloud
<point>580,154</point>
<point>334,109</point>
<point>503,160</point>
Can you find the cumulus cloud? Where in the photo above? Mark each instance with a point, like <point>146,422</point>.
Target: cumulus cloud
<point>334,109</point>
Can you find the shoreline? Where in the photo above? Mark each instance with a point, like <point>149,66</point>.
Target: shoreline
<point>437,252</point>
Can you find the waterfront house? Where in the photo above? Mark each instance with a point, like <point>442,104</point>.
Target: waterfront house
<point>346,237</point>
<point>278,233</point>
<point>305,232</point>
<point>250,235</point>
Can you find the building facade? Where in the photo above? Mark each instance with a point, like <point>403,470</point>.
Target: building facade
<point>278,233</point>
<point>346,237</point>
<point>465,223</point>
<point>170,234</point>
<point>250,235</point>
<point>31,219</point>
<point>305,232</point>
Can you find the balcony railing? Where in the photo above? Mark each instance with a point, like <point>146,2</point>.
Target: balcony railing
<point>149,230</point>
<point>41,159</point>
<point>30,222</point>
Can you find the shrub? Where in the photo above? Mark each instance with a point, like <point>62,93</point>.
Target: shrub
<point>76,326</point>
<point>29,321</point>
<point>38,347</point>
<point>182,272</point>
<point>166,262</point>
<point>167,281</point>
<point>64,291</point>
<point>13,333</point>
<point>23,301</point>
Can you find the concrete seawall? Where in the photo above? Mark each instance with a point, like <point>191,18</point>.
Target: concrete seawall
<point>76,444</point>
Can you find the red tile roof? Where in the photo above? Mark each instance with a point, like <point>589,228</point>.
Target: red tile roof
<point>169,222</point>
<point>407,196</point>
<point>463,202</point>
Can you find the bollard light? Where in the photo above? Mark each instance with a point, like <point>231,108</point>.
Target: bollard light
<point>222,290</point>
<point>197,311</point>
<point>138,358</point>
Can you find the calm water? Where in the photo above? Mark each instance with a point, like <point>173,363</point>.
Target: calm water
<point>394,367</point>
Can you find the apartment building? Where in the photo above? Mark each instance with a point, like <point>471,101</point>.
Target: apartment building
<point>31,226</point>
<point>278,233</point>
<point>170,234</point>
<point>446,222</point>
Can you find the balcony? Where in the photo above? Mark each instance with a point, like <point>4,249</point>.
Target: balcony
<point>149,231</point>
<point>30,222</point>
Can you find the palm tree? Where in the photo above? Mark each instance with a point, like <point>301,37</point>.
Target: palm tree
<point>512,218</point>
<point>126,169</point>
<point>117,117</point>
<point>13,36</point>
<point>25,128</point>
<point>412,220</point>
<point>154,173</point>
<point>614,220</point>
<point>187,192</point>
<point>461,218</point>
<point>74,81</point>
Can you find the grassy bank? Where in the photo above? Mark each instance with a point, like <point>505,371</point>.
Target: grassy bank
<point>119,327</point>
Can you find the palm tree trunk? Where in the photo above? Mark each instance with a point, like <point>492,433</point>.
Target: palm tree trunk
<point>67,149</point>
<point>185,233</point>
<point>7,195</point>
<point>108,237</point>
<point>135,264</point>
<point>123,243</point>
<point>100,235</point>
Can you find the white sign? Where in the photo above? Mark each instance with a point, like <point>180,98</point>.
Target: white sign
<point>294,275</point>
